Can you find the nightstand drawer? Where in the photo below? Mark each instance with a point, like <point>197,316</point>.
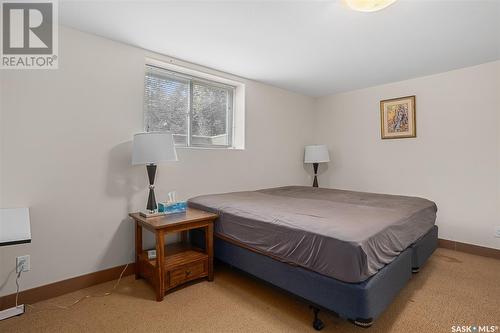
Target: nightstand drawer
<point>186,273</point>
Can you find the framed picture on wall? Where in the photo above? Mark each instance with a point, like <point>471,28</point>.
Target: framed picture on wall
<point>398,118</point>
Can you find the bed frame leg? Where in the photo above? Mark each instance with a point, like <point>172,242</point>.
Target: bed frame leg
<point>365,323</point>
<point>317,323</point>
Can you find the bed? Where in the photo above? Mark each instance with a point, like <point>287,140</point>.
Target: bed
<point>344,251</point>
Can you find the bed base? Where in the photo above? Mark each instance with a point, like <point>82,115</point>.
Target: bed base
<point>360,303</point>
<point>423,249</point>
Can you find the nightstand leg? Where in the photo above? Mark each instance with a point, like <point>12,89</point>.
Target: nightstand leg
<point>160,265</point>
<point>138,248</point>
<point>209,244</point>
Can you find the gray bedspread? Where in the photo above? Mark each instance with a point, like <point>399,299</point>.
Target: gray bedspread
<point>342,234</point>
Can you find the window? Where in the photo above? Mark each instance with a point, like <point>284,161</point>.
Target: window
<point>199,112</point>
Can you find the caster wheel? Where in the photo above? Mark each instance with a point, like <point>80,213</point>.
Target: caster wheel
<point>363,323</point>
<point>318,325</point>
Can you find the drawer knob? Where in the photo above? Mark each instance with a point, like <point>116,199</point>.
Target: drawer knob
<point>188,272</point>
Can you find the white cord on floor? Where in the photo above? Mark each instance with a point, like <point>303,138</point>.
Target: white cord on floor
<point>84,297</point>
<point>17,281</point>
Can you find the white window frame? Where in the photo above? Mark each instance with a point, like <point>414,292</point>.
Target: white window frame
<point>236,103</point>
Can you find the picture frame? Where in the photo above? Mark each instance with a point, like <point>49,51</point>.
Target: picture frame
<point>398,118</point>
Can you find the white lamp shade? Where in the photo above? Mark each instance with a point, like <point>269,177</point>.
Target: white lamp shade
<point>14,226</point>
<point>153,148</point>
<point>316,154</point>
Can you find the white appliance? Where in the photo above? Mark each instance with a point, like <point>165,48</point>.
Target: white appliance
<point>14,229</point>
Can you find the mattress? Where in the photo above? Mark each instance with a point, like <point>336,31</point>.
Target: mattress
<point>342,234</point>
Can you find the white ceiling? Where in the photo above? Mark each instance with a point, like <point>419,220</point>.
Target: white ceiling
<point>312,47</point>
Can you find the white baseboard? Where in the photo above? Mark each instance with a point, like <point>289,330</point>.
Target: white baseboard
<point>12,312</point>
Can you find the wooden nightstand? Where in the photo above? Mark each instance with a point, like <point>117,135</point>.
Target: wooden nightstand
<point>178,263</point>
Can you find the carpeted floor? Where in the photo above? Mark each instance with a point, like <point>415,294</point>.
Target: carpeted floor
<point>454,288</point>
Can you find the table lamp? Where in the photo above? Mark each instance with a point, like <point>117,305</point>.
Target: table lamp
<point>152,148</point>
<point>14,229</point>
<point>316,154</point>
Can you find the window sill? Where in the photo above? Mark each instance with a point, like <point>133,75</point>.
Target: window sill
<point>209,148</point>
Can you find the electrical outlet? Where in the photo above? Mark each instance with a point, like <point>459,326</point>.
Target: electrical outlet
<point>497,231</point>
<point>23,264</point>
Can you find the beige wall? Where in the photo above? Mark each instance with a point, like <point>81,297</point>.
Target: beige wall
<point>67,151</point>
<point>455,159</point>
<point>1,140</point>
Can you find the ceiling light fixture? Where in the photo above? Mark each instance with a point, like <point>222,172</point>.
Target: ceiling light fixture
<point>369,5</point>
